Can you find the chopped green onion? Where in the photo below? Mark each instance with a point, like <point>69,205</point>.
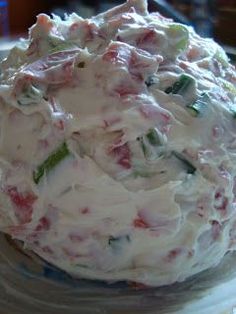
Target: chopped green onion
<point>228,86</point>
<point>58,45</point>
<point>196,108</point>
<point>149,143</point>
<point>153,137</point>
<point>30,95</point>
<point>187,165</point>
<point>221,56</point>
<point>179,36</point>
<point>51,162</point>
<point>144,147</point>
<point>181,86</point>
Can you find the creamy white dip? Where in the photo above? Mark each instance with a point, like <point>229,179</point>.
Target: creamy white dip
<point>118,146</point>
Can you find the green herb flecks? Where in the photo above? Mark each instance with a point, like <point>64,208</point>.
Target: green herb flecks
<point>198,107</point>
<point>181,86</point>
<point>178,35</point>
<point>229,87</point>
<point>30,94</point>
<point>221,56</point>
<point>150,143</point>
<point>56,45</point>
<point>153,137</point>
<point>51,162</point>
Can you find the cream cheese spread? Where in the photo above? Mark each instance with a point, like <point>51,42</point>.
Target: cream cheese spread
<point>118,146</point>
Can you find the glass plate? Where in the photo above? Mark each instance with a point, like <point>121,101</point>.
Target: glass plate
<point>28,285</point>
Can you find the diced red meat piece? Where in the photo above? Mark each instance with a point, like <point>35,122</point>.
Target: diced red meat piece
<point>142,64</point>
<point>125,90</point>
<point>193,53</point>
<point>134,66</point>
<point>88,31</point>
<point>148,41</point>
<point>23,203</point>
<point>222,202</point>
<point>55,68</point>
<point>122,155</point>
<point>142,220</point>
<point>110,56</point>
<point>74,27</point>
<point>153,112</point>
<point>44,21</point>
<point>44,224</point>
<point>85,210</point>
<point>118,53</point>
<point>91,30</point>
<point>140,223</point>
<point>173,254</point>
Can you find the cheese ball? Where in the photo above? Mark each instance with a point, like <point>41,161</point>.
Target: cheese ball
<point>118,146</point>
